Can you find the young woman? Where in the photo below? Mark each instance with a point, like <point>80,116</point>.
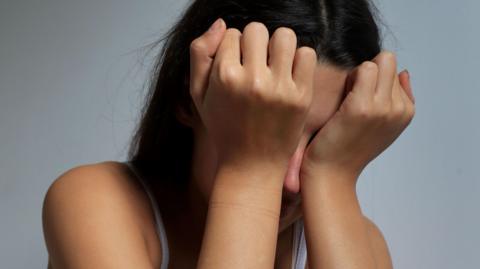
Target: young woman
<point>249,148</point>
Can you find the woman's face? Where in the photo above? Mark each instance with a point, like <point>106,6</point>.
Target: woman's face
<point>329,84</point>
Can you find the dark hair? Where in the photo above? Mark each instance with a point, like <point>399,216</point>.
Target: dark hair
<point>343,33</point>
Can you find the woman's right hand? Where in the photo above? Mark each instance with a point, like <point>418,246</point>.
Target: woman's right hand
<point>257,96</point>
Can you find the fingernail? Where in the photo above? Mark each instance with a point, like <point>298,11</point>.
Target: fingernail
<point>409,78</point>
<point>215,26</point>
<point>409,84</point>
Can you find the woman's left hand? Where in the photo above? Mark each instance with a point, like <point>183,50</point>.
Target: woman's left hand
<point>378,106</point>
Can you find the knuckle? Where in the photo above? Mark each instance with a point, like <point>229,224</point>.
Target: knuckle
<point>286,83</point>
<point>383,109</point>
<point>296,95</point>
<point>304,101</point>
<point>227,74</point>
<point>389,56</point>
<point>398,109</point>
<point>368,67</point>
<point>257,84</point>
<point>382,112</point>
<point>363,111</point>
<point>197,45</point>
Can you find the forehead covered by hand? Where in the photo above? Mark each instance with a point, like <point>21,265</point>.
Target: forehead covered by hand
<point>329,85</point>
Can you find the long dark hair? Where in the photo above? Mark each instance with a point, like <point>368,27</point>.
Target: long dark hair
<point>343,32</point>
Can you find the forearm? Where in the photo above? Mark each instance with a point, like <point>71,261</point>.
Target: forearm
<point>242,222</point>
<point>336,232</point>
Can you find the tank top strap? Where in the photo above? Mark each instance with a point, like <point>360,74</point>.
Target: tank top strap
<point>158,217</point>
<point>299,248</point>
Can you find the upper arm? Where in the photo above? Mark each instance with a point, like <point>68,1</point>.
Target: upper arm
<point>379,246</point>
<point>88,222</point>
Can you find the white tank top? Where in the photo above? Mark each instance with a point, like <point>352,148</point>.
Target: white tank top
<point>299,249</point>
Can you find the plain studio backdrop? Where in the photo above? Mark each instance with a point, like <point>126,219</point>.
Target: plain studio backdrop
<point>72,77</point>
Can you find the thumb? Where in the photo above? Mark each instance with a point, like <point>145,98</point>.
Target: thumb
<point>202,52</point>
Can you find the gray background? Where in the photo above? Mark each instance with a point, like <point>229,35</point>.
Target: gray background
<point>71,84</point>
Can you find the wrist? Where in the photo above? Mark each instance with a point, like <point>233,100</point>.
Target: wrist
<point>332,188</point>
<point>252,172</point>
<point>340,175</point>
<point>255,189</point>
<point>318,169</point>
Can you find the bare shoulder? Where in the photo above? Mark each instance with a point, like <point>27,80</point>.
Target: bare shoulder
<point>379,245</point>
<point>92,218</point>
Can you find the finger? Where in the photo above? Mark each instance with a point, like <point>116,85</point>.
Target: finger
<point>254,45</point>
<point>398,101</point>
<point>387,72</point>
<point>400,108</point>
<point>349,80</point>
<point>404,78</point>
<point>229,49</point>
<point>304,65</point>
<point>409,106</point>
<point>364,79</point>
<point>408,101</point>
<point>202,51</point>
<point>282,49</point>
